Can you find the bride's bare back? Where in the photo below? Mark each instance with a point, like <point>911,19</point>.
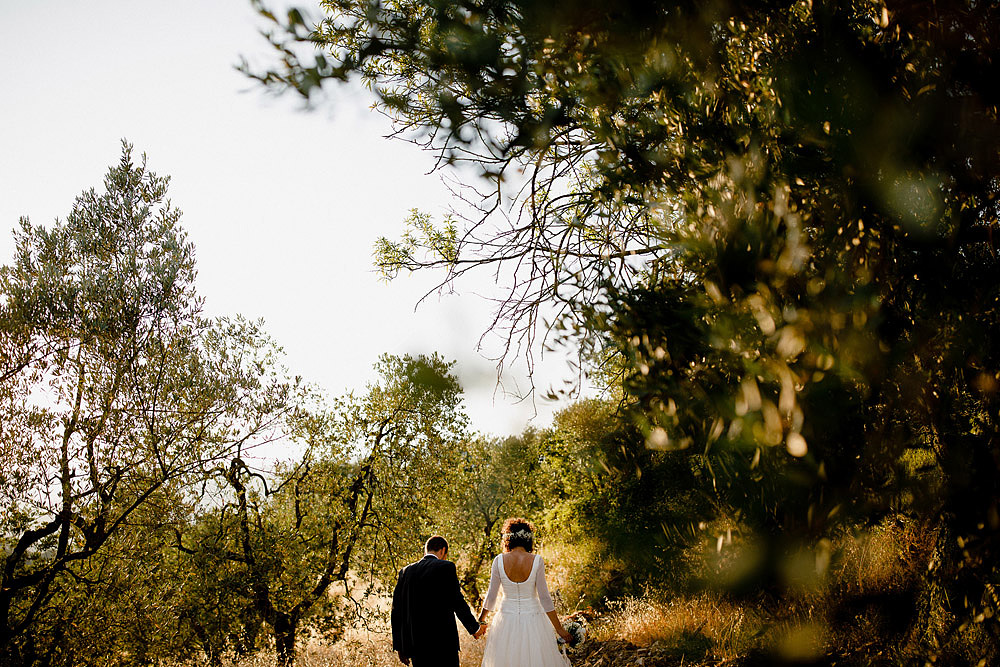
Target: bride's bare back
<point>517,565</point>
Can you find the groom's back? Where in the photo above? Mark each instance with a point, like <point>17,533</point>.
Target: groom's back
<point>426,579</point>
<point>429,602</point>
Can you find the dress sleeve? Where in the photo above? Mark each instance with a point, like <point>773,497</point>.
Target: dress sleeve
<point>542,588</point>
<point>490,603</point>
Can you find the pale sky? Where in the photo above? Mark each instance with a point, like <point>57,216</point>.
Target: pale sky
<point>283,205</point>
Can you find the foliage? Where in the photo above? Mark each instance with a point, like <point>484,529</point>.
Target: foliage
<point>404,432</point>
<point>812,190</point>
<point>120,607</point>
<point>485,480</point>
<point>212,602</point>
<point>116,398</point>
<point>344,512</point>
<point>494,85</point>
<point>636,510</point>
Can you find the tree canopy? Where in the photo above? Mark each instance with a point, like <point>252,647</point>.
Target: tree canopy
<point>614,127</point>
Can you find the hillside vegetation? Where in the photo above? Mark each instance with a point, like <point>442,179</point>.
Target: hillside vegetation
<point>768,233</point>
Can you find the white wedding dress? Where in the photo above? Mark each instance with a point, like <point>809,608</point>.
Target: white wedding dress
<point>520,634</point>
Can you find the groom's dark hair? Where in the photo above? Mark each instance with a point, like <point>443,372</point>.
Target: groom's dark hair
<point>436,543</point>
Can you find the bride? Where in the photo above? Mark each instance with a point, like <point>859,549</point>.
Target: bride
<point>520,635</point>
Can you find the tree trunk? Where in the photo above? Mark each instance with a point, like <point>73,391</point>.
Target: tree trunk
<point>208,646</point>
<point>284,639</point>
<point>483,552</point>
<point>14,653</point>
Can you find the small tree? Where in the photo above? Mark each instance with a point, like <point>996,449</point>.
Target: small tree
<point>351,506</point>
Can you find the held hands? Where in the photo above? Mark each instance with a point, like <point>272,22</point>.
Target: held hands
<point>480,632</point>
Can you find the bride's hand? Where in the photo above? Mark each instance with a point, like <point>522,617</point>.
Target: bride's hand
<point>566,637</point>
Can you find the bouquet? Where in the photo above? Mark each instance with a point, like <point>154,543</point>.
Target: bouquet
<point>576,626</point>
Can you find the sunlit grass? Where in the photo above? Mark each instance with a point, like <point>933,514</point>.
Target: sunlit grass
<point>863,566</point>
<point>886,557</point>
<point>357,648</point>
<point>728,628</point>
<point>711,627</point>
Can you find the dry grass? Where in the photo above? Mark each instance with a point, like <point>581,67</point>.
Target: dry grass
<point>356,649</point>
<point>888,558</point>
<point>885,558</point>
<point>472,649</point>
<point>705,626</point>
<point>729,628</point>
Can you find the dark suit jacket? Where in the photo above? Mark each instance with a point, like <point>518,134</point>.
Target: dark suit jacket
<point>424,605</point>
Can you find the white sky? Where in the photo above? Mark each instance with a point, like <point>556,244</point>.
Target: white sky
<point>283,206</point>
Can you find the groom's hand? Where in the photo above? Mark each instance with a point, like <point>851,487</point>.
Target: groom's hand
<point>480,632</point>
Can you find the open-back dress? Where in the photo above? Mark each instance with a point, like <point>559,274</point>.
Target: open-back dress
<point>520,633</point>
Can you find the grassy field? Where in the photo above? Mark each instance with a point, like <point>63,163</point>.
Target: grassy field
<point>866,604</point>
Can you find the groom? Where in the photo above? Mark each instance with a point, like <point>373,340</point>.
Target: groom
<point>424,605</point>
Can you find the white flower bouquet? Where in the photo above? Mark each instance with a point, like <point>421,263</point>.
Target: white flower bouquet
<point>576,626</point>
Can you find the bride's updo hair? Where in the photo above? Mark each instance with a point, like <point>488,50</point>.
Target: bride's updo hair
<point>517,532</point>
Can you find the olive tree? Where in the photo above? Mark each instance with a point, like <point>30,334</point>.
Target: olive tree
<point>115,394</point>
<point>348,511</point>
